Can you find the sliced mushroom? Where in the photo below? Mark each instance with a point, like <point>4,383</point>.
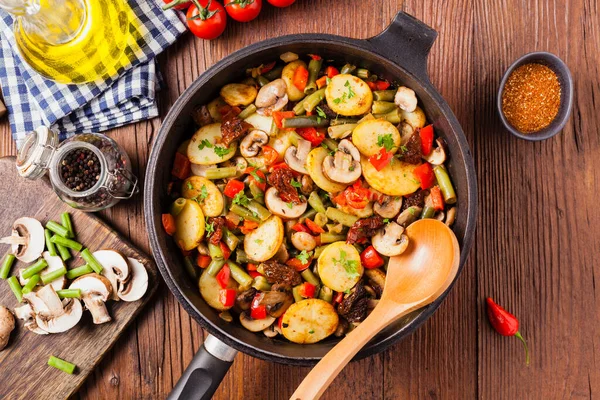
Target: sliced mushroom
<point>240,165</point>
<point>376,278</point>
<point>27,239</point>
<point>114,268</point>
<point>437,155</point>
<point>344,165</point>
<point>280,207</point>
<point>95,291</point>
<point>200,170</point>
<point>55,263</point>
<point>295,157</point>
<point>25,313</point>
<point>406,99</point>
<point>408,216</point>
<point>45,302</point>
<point>282,254</point>
<point>307,185</point>
<point>277,302</point>
<point>390,240</point>
<point>406,132</point>
<point>67,320</point>
<point>389,207</point>
<point>304,241</point>
<point>440,216</point>
<point>7,324</point>
<point>135,288</point>
<point>255,325</point>
<point>253,142</point>
<point>450,216</point>
<point>271,97</point>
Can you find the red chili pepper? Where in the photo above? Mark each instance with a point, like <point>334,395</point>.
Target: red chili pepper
<point>233,187</point>
<point>223,276</point>
<point>312,135</point>
<point>315,229</point>
<point>331,71</point>
<point>437,200</point>
<point>382,159</point>
<point>226,251</point>
<point>300,78</point>
<point>307,290</point>
<point>168,222</point>
<point>300,228</point>
<point>426,135</point>
<point>258,177</point>
<point>227,297</point>
<point>181,166</point>
<point>505,323</point>
<point>382,85</point>
<point>267,67</point>
<point>425,175</point>
<point>203,261</point>
<point>370,258</point>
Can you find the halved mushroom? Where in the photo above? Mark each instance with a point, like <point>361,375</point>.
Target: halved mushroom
<point>253,142</point>
<point>95,291</point>
<point>437,155</point>
<point>282,254</point>
<point>280,207</point>
<point>135,288</point>
<point>295,157</point>
<point>376,278</point>
<point>25,313</point>
<point>307,185</point>
<point>200,170</point>
<point>27,239</point>
<point>271,97</point>
<point>304,241</point>
<point>7,324</point>
<point>72,312</point>
<point>255,325</point>
<point>450,216</point>
<point>406,132</point>
<point>406,99</point>
<point>45,302</point>
<point>344,165</point>
<point>277,302</point>
<point>390,240</point>
<point>389,207</point>
<point>55,263</point>
<point>408,216</point>
<point>114,268</point>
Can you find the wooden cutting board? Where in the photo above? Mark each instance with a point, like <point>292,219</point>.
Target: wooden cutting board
<point>24,373</point>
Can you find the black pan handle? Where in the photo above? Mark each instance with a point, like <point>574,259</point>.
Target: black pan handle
<point>206,371</point>
<point>406,41</point>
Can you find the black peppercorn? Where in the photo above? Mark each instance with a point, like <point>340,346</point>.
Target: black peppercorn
<point>79,170</point>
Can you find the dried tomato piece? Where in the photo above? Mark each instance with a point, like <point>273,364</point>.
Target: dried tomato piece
<point>364,228</point>
<point>281,179</point>
<point>232,128</point>
<point>216,235</point>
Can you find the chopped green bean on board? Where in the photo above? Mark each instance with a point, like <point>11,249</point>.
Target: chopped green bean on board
<point>62,365</point>
<point>31,283</point>
<point>69,293</point>
<point>79,271</point>
<point>7,264</point>
<point>91,260</point>
<point>65,254</point>
<point>16,288</point>
<point>57,228</point>
<point>35,268</point>
<point>53,275</point>
<point>65,218</point>
<point>49,245</point>
<point>71,244</point>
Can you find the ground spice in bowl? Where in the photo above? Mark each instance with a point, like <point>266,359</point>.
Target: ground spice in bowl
<point>531,97</point>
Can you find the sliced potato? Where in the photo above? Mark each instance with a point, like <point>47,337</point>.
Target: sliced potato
<point>206,193</point>
<point>396,179</point>
<point>314,166</point>
<point>368,134</point>
<point>281,142</point>
<point>416,119</point>
<point>238,94</point>
<point>201,149</point>
<point>210,288</point>
<point>309,321</point>
<point>189,225</point>
<point>260,122</point>
<point>348,95</point>
<point>294,94</point>
<point>339,266</point>
<point>262,243</point>
<point>359,212</point>
<point>214,107</point>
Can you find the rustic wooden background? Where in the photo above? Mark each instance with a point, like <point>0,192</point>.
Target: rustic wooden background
<point>537,238</point>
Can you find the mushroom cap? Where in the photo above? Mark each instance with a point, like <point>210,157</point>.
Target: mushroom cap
<point>437,155</point>
<point>408,216</point>
<point>256,325</point>
<point>295,156</point>
<point>137,285</point>
<point>390,207</point>
<point>252,143</point>
<point>271,93</point>
<point>71,316</point>
<point>390,241</point>
<point>406,99</point>
<point>114,268</point>
<point>7,324</point>
<point>344,166</point>
<point>33,231</point>
<point>45,302</point>
<point>26,314</point>
<point>95,291</point>
<point>280,207</point>
<point>55,263</point>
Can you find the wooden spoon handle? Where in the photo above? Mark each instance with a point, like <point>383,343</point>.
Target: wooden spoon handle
<point>321,376</point>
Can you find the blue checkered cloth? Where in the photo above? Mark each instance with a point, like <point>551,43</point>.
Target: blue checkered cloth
<point>32,100</point>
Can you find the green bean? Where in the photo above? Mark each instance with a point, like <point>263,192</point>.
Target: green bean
<point>7,264</point>
<point>393,116</point>
<point>296,292</point>
<point>248,111</point>
<point>79,271</point>
<point>177,206</point>
<point>39,265</point>
<point>315,202</point>
<point>299,108</point>
<point>328,237</point>
<point>65,254</point>
<point>314,67</point>
<point>313,100</point>
<point>341,131</point>
<point>384,95</point>
<point>428,211</point>
<point>363,73</point>
<point>57,228</point>
<point>241,257</point>
<point>188,264</point>
<point>320,219</point>
<point>335,228</point>
<point>326,294</point>
<point>273,74</point>
<point>244,213</point>
<point>256,192</point>
<point>372,78</point>
<point>89,258</point>
<point>331,144</point>
<point>303,121</point>
<point>318,250</point>
<point>31,283</point>
<point>310,277</point>
<point>347,69</point>
<point>215,252</point>
<point>274,129</point>
<point>308,214</point>
<point>69,293</point>
<point>257,209</point>
<point>221,173</point>
<point>239,275</point>
<point>261,283</point>
<point>215,266</point>
<point>53,275</point>
<point>445,184</point>
<point>262,81</point>
<point>71,244</point>
<point>343,121</point>
<point>294,138</point>
<point>49,245</point>
<point>230,239</point>
<point>65,218</point>
<point>341,217</point>
<point>63,365</point>
<point>13,282</point>
<point>382,107</point>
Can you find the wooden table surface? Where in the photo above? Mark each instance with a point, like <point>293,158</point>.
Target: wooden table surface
<point>537,240</point>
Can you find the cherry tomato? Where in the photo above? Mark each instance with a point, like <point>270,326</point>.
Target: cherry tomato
<point>281,3</point>
<point>177,4</point>
<point>206,19</point>
<point>243,10</point>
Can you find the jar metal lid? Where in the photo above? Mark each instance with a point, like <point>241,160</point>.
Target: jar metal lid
<point>36,153</point>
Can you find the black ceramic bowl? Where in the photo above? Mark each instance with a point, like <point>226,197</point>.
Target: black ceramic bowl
<point>566,97</point>
<point>398,54</point>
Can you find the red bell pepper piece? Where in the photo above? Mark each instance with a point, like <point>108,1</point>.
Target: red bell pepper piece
<point>181,167</point>
<point>258,177</point>
<point>226,251</point>
<point>267,67</point>
<point>259,312</point>
<point>357,196</point>
<point>168,222</point>
<point>278,116</point>
<point>203,261</point>
<point>223,276</point>
<point>233,187</point>
<point>437,200</point>
<point>425,175</point>
<point>339,296</point>
<point>227,297</point>
<point>280,322</point>
<point>331,71</point>
<point>251,267</point>
<point>254,274</point>
<point>382,159</point>
<point>315,57</point>
<point>505,323</point>
<point>372,85</point>
<point>382,85</point>
<point>271,155</point>
<point>340,199</point>
<point>312,135</point>
<point>248,226</point>
<point>300,78</point>
<point>300,228</point>
<point>297,264</point>
<point>315,229</point>
<point>321,82</point>
<point>370,258</point>
<point>426,135</point>
<point>307,290</point>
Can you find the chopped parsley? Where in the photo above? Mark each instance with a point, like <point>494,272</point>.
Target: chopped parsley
<point>241,199</point>
<point>348,291</point>
<point>385,141</point>
<point>256,177</point>
<point>203,195</point>
<point>351,266</point>
<point>210,228</point>
<point>320,114</point>
<point>386,221</point>
<point>324,145</point>
<point>190,186</point>
<point>290,205</point>
<point>404,149</point>
<point>328,80</point>
<point>340,99</point>
<point>311,331</point>
<point>303,256</point>
<point>204,143</point>
<point>296,184</point>
<point>258,241</point>
<point>221,151</point>
<point>351,93</point>
<point>412,211</point>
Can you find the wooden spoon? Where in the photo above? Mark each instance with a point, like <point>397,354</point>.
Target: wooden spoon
<point>414,279</point>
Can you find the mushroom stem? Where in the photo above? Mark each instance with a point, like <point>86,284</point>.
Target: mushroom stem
<point>15,239</point>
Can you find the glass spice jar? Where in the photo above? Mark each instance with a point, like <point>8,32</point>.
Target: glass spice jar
<point>90,172</point>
